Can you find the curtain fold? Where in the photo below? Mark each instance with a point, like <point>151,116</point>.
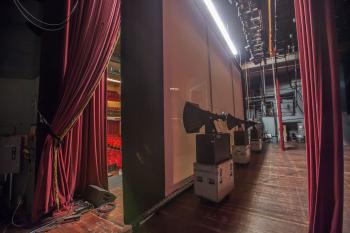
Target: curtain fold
<point>315,22</point>
<point>90,37</point>
<point>93,169</point>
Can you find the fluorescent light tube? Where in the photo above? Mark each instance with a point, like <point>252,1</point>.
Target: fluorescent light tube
<point>113,80</point>
<point>211,8</point>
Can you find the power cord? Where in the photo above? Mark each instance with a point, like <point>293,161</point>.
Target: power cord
<point>106,208</point>
<point>81,207</point>
<point>19,203</point>
<point>5,229</point>
<point>26,14</point>
<point>43,22</point>
<point>20,199</point>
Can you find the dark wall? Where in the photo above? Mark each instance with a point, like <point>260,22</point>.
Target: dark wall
<point>19,41</point>
<point>345,82</point>
<point>18,105</point>
<point>30,68</point>
<point>19,68</point>
<point>20,46</point>
<point>345,95</point>
<point>51,68</point>
<point>142,108</point>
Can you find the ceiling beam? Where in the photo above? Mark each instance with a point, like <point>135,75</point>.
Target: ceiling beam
<point>271,60</point>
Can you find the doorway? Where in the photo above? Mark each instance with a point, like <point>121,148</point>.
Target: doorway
<point>113,133</point>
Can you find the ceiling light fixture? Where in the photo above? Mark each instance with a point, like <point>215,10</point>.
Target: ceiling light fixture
<point>113,80</point>
<point>212,10</point>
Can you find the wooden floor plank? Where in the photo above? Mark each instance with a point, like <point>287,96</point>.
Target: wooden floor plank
<point>94,222</point>
<point>270,195</point>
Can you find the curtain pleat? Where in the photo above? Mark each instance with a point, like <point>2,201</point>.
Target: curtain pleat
<point>315,24</point>
<point>80,158</point>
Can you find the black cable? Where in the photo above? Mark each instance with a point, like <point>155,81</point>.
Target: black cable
<point>62,24</point>
<point>35,24</point>
<point>106,208</point>
<point>57,221</point>
<point>43,22</point>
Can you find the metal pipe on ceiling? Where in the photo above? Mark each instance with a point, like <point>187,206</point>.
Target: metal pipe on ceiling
<point>247,93</point>
<point>270,28</point>
<point>264,81</point>
<point>281,67</point>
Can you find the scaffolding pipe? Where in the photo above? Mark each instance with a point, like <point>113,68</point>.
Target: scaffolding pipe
<point>270,28</point>
<point>274,82</point>
<point>261,89</point>
<point>247,92</point>
<point>264,81</point>
<point>275,94</point>
<point>279,115</point>
<point>280,67</point>
<point>275,47</point>
<point>277,85</point>
<point>296,82</point>
<point>264,90</point>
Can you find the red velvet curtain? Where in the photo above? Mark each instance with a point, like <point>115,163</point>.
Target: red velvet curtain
<point>79,158</point>
<point>93,166</point>
<point>315,23</point>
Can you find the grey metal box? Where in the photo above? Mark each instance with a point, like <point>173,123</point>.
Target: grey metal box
<point>10,154</point>
<point>214,182</point>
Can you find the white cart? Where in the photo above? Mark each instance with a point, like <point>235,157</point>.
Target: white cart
<point>214,182</point>
<point>241,154</point>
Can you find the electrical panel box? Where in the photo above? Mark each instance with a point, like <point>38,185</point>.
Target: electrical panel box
<point>214,182</point>
<point>213,148</point>
<point>10,154</point>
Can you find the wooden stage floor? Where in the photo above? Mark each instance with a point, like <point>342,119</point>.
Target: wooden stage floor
<point>112,222</point>
<point>270,195</point>
<point>93,222</point>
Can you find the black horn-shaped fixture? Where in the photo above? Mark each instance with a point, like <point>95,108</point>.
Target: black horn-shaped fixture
<point>194,118</point>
